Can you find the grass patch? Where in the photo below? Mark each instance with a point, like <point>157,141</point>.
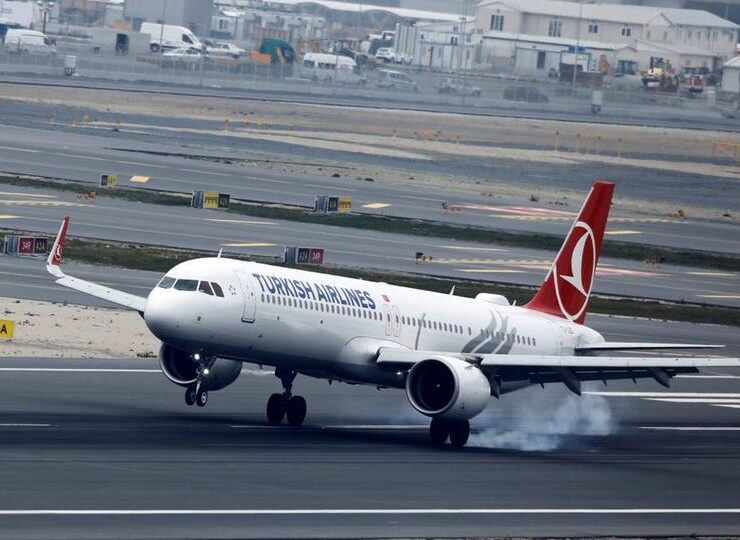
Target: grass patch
<point>398,225</point>
<point>160,259</point>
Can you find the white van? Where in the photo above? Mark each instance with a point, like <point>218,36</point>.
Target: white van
<point>331,67</point>
<point>169,36</point>
<point>20,40</point>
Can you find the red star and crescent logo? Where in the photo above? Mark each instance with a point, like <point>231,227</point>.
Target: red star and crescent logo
<point>573,273</point>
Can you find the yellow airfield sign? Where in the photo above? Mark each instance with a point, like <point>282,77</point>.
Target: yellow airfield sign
<point>6,329</point>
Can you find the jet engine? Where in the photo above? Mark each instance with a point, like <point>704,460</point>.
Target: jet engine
<point>180,368</point>
<point>447,388</point>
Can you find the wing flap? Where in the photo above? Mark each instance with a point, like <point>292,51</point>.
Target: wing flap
<point>53,266</point>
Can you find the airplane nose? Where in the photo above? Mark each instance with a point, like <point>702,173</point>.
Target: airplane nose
<point>156,315</point>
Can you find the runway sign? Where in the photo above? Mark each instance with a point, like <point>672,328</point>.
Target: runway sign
<point>25,245</point>
<point>303,255</point>
<point>332,205</point>
<point>6,329</point>
<point>108,180</point>
<point>210,200</point>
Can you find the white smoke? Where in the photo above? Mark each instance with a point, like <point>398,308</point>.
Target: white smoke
<point>539,422</point>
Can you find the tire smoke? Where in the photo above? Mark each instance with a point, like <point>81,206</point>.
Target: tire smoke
<point>541,423</point>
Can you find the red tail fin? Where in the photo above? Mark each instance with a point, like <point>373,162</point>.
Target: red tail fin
<point>567,287</point>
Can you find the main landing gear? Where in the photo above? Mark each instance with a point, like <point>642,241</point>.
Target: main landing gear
<point>457,431</point>
<point>195,394</point>
<point>284,405</point>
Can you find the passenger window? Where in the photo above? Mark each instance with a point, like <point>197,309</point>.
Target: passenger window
<point>166,282</point>
<point>204,287</point>
<point>186,284</point>
<point>217,289</point>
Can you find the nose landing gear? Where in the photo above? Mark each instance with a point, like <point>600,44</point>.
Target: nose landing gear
<point>286,404</point>
<point>195,394</point>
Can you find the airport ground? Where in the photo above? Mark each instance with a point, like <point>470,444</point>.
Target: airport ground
<point>102,444</point>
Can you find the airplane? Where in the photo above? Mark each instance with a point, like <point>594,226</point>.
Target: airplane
<point>450,354</point>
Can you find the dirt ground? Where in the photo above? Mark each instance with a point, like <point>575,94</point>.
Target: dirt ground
<point>48,329</point>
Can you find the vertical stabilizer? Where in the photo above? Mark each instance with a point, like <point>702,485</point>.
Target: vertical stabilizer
<point>567,287</point>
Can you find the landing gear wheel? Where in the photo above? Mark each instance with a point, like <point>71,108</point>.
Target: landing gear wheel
<point>439,431</point>
<point>296,410</point>
<point>201,398</point>
<point>276,407</point>
<point>459,433</point>
<point>189,396</point>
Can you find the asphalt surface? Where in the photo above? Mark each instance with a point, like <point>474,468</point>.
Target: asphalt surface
<point>186,161</point>
<point>110,447</point>
<point>184,227</point>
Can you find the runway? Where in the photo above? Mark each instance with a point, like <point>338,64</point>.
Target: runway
<point>29,145</point>
<point>183,227</point>
<point>93,448</point>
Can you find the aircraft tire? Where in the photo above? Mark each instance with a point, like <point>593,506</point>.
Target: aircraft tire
<point>276,408</point>
<point>459,433</point>
<point>438,431</point>
<point>296,410</point>
<point>189,396</point>
<point>201,398</point>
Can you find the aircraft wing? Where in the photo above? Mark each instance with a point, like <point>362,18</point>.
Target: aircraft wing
<point>53,266</point>
<point>632,346</point>
<point>570,370</point>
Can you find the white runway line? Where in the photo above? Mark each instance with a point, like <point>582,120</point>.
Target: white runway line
<point>23,425</point>
<point>714,401</point>
<point>708,376</point>
<point>370,511</point>
<point>691,428</point>
<point>704,395</point>
<point>80,370</point>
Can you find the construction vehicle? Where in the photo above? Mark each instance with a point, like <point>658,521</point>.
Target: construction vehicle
<point>660,76</point>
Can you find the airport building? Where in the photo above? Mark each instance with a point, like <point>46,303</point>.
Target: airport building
<point>193,14</point>
<point>526,34</point>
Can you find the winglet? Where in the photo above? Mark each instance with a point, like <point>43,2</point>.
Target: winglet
<point>567,287</point>
<point>54,261</point>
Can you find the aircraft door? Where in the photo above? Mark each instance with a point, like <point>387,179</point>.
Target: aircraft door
<point>250,297</point>
<point>396,322</point>
<point>387,319</point>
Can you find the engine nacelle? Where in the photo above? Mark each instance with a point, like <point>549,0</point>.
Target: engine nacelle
<point>180,368</point>
<point>447,387</point>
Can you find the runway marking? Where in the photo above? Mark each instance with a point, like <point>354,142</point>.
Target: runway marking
<point>23,425</point>
<point>715,401</point>
<point>7,216</point>
<point>727,406</point>
<point>666,395</point>
<point>621,233</point>
<point>365,511</point>
<point>466,248</point>
<point>691,428</point>
<point>240,221</point>
<point>139,179</point>
<point>37,195</point>
<point>28,150</point>
<point>489,271</point>
<point>720,296</point>
<point>717,274</point>
<point>342,427</point>
<point>708,376</point>
<point>141,164</point>
<point>79,370</point>
<point>77,156</point>
<point>248,244</point>
<point>40,203</point>
<point>204,172</point>
<point>376,205</point>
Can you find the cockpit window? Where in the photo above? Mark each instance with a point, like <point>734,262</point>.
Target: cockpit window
<point>166,282</point>
<point>205,287</point>
<point>217,289</point>
<point>186,284</point>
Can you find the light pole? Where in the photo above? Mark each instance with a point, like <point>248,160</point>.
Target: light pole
<point>578,41</point>
<point>45,7</point>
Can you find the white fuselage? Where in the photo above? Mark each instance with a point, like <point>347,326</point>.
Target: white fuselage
<point>331,326</point>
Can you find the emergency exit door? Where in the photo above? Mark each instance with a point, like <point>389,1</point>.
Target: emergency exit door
<point>249,296</point>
